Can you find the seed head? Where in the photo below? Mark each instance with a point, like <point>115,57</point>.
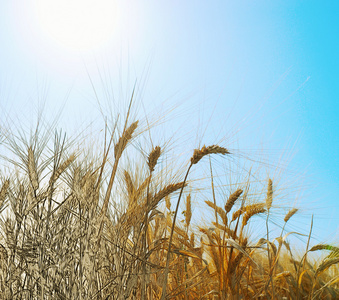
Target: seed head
<point>200,153</point>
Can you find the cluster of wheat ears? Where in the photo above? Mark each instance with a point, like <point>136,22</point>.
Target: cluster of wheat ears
<point>75,226</point>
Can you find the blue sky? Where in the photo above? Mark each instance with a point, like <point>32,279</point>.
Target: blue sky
<point>270,68</point>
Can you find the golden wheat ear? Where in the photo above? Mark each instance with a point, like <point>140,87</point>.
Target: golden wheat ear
<point>168,202</point>
<point>124,139</point>
<point>219,211</point>
<point>153,158</point>
<point>326,264</point>
<point>252,210</point>
<point>32,171</point>
<point>188,211</point>
<point>198,154</point>
<point>232,199</point>
<point>290,214</point>
<point>269,196</point>
<point>4,192</point>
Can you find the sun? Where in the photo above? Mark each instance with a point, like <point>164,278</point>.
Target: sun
<point>77,24</point>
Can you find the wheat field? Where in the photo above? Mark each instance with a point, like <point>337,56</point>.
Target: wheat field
<point>82,225</point>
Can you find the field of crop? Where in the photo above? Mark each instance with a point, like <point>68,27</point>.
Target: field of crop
<point>78,222</point>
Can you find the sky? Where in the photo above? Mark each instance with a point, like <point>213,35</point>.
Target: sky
<point>267,71</point>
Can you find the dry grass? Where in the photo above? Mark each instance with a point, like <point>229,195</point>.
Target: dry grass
<point>75,227</point>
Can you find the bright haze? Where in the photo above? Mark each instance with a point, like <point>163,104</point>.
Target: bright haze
<point>267,69</point>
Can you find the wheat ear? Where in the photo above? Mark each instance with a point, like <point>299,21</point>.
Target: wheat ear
<point>4,192</point>
<point>129,185</point>
<point>198,154</point>
<point>290,214</point>
<point>168,202</point>
<point>33,175</point>
<point>231,200</point>
<point>153,158</point>
<point>269,196</point>
<point>252,210</point>
<point>63,167</point>
<point>326,264</point>
<point>124,139</point>
<point>188,211</point>
<point>118,149</point>
<point>219,211</point>
<point>323,247</point>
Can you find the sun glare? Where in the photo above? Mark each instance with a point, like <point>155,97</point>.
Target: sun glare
<point>77,24</point>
